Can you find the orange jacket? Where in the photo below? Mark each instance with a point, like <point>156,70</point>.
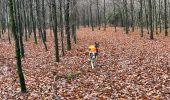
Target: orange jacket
<point>92,48</point>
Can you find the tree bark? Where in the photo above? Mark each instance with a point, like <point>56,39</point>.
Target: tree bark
<point>98,14</point>
<point>17,48</point>
<point>132,14</point>
<point>61,27</point>
<point>67,20</point>
<point>104,14</point>
<point>141,17</point>
<point>55,31</point>
<point>166,21</point>
<point>33,21</point>
<point>150,18</point>
<point>91,16</point>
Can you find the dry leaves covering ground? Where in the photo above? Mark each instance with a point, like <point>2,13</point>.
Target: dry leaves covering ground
<point>128,68</point>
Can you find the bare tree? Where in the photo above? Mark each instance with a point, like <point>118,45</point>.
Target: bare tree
<point>55,30</point>
<point>67,20</point>
<point>150,18</point>
<point>17,46</point>
<point>166,21</point>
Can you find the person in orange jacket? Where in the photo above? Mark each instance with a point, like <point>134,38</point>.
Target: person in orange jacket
<point>93,49</point>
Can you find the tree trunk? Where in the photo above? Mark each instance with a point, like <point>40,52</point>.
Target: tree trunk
<point>55,31</point>
<point>33,21</point>
<point>150,18</point>
<point>166,21</point>
<point>84,17</point>
<point>141,17</point>
<point>67,20</point>
<point>98,14</point>
<point>74,21</point>
<point>104,14</point>
<point>146,16</point>
<point>115,24</point>
<point>156,21</point>
<point>44,19</point>
<point>25,21</point>
<point>91,16</point>
<point>132,14</point>
<point>7,11</point>
<point>126,18</point>
<point>160,27</point>
<point>20,28</point>
<point>17,48</point>
<point>39,24</point>
<point>61,27</point>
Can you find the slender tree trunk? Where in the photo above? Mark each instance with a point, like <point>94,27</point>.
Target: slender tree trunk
<point>20,29</point>
<point>98,14</point>
<point>17,47</point>
<point>115,24</point>
<point>88,19</point>
<point>61,27</point>
<point>25,19</point>
<point>55,31</point>
<point>156,18</point>
<point>67,19</point>
<point>33,21</point>
<point>121,17</point>
<point>84,17</point>
<point>166,21</point>
<point>160,27</point>
<point>7,11</point>
<point>25,22</point>
<point>146,16</point>
<point>104,14</point>
<point>141,17</point>
<point>132,14</point>
<point>150,18</point>
<point>74,21</point>
<point>0,35</point>
<point>78,21</point>
<point>126,18</point>
<point>44,25</point>
<point>50,18</point>
<point>91,16</point>
<point>39,24</point>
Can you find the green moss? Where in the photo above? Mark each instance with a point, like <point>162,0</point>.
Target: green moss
<point>71,75</point>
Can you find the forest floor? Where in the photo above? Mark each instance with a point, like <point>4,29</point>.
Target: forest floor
<point>128,67</point>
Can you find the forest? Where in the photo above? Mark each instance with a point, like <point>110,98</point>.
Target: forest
<point>44,52</point>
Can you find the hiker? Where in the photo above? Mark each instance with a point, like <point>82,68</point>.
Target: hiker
<point>93,49</point>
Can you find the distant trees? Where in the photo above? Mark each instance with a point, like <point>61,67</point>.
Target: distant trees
<point>35,16</point>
